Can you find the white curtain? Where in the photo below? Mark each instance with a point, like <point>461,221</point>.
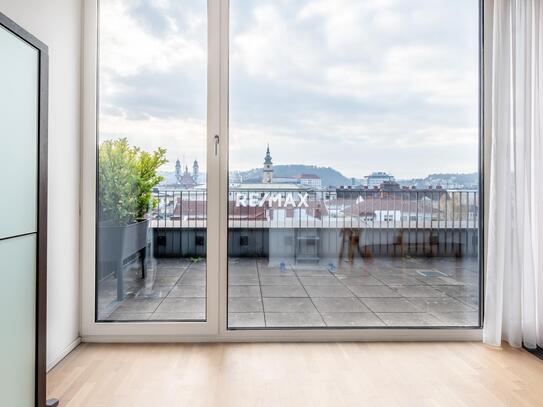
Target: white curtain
<point>514,285</point>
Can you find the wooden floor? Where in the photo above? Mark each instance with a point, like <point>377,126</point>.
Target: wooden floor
<point>330,374</point>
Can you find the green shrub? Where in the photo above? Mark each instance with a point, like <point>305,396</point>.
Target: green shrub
<point>126,178</point>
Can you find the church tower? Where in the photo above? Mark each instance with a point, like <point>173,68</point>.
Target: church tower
<point>178,174</point>
<point>195,171</point>
<point>267,171</point>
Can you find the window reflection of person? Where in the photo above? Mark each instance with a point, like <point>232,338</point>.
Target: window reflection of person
<point>350,238</point>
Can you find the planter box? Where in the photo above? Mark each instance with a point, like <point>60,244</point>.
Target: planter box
<point>114,244</point>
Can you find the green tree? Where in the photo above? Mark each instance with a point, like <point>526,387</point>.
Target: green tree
<point>126,177</point>
<point>147,165</point>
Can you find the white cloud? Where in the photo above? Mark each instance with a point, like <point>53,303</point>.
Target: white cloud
<point>359,86</point>
<point>183,139</point>
<point>126,48</point>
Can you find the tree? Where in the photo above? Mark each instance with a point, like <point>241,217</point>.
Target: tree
<point>126,178</point>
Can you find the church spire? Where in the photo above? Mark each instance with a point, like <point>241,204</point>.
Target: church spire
<point>268,158</point>
<point>195,171</point>
<point>267,171</point>
<point>178,170</point>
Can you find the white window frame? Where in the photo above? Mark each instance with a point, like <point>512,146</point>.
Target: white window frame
<point>215,328</point>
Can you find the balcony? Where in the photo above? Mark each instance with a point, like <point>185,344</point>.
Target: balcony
<point>338,258</point>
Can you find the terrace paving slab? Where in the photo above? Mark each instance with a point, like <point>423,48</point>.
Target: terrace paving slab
<point>192,280</point>
<point>130,316</point>
<point>293,320</point>
<point>134,305</point>
<point>328,280</point>
<point>246,319</point>
<point>300,305</point>
<point>188,291</point>
<point>417,291</point>
<point>245,304</point>
<point>279,280</point>
<point>283,291</point>
<point>359,280</point>
<point>389,305</point>
<point>472,301</point>
<point>399,280</point>
<point>467,318</point>
<point>182,304</point>
<point>313,273</point>
<point>333,291</point>
<point>351,319</point>
<point>243,280</point>
<point>440,304</point>
<point>235,291</point>
<point>339,305</point>
<point>178,316</point>
<point>459,290</point>
<point>409,319</point>
<point>369,291</point>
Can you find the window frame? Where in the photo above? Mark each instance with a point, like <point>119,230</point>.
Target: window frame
<point>215,328</point>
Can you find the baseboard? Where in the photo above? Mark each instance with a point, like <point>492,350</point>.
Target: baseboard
<point>63,354</point>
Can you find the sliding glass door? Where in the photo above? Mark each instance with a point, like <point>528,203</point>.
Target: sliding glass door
<point>319,161</point>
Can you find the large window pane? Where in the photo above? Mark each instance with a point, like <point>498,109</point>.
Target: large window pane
<point>354,164</point>
<point>151,203</point>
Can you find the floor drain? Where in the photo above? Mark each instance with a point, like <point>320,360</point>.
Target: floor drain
<point>431,273</point>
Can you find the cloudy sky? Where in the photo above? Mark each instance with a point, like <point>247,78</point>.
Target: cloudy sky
<point>359,86</point>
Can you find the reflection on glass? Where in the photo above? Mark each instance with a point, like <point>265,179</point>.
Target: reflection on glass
<point>353,192</point>
<point>18,128</point>
<point>151,199</point>
<point>18,318</point>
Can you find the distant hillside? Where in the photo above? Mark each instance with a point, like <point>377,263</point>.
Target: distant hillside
<point>448,181</point>
<point>332,177</point>
<point>328,175</point>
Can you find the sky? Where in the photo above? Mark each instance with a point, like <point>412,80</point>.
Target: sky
<point>373,85</point>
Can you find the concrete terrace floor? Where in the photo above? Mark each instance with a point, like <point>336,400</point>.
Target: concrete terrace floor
<point>378,292</point>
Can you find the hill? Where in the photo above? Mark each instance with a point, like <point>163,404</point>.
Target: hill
<point>448,181</point>
<point>329,176</point>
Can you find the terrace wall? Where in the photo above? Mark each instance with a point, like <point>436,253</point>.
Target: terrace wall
<point>321,243</point>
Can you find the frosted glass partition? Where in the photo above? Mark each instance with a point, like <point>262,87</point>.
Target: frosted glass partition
<point>18,320</point>
<point>18,135</point>
<point>23,71</point>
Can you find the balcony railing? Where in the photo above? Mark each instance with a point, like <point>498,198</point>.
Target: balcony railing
<point>416,222</point>
<point>426,209</point>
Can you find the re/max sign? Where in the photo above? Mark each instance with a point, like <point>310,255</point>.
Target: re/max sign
<point>254,199</point>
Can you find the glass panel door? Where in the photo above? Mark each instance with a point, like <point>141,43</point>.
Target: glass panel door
<point>151,246</point>
<point>353,164</point>
<point>19,102</point>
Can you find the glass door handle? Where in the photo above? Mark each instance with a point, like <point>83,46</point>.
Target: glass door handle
<point>216,144</point>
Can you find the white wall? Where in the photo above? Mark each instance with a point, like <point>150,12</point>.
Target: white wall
<point>57,23</point>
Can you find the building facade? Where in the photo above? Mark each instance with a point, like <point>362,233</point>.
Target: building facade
<point>375,179</point>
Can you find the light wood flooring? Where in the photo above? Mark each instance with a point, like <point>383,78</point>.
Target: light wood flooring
<point>297,374</point>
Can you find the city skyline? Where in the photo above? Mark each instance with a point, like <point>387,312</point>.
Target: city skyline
<point>358,179</point>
